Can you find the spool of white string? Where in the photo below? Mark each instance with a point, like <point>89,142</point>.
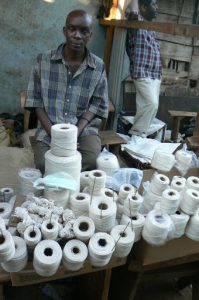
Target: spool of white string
<point>6,194</point>
<point>120,208</point>
<point>149,200</point>
<point>170,201</point>
<point>190,201</point>
<point>192,229</point>
<point>63,139</point>
<point>124,239</point>
<point>20,258</point>
<point>103,213</point>
<point>96,181</point>
<point>47,257</point>
<point>5,210</point>
<point>108,163</point>
<point>49,229</point>
<point>84,180</point>
<point>132,204</point>
<point>159,183</point>
<point>178,183</point>
<point>124,190</point>
<point>7,246</point>
<point>70,165</point>
<point>83,228</point>
<point>79,204</point>
<point>162,161</point>
<point>135,222</point>
<point>32,236</point>
<point>183,157</point>
<point>109,194</point>
<point>75,253</point>
<point>59,196</point>
<point>192,183</point>
<point>180,221</point>
<point>156,228</point>
<point>100,248</point>
<point>26,178</point>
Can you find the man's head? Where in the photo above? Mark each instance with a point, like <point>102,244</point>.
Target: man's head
<point>78,29</point>
<point>148,9</point>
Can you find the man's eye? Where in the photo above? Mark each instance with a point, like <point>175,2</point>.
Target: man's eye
<point>71,28</point>
<point>85,31</point>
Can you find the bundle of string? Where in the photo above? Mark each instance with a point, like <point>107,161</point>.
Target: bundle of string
<point>183,161</point>
<point>149,200</point>
<point>6,194</point>
<point>119,210</point>
<point>5,210</point>
<point>156,228</point>
<point>170,201</point>
<point>20,258</point>
<point>7,246</point>
<point>26,178</point>
<point>162,161</point>
<point>75,253</point>
<point>108,163</point>
<point>47,257</point>
<point>136,223</point>
<point>63,140</point>
<point>49,229</point>
<point>132,204</point>
<point>178,183</point>
<point>83,180</point>
<point>32,236</point>
<point>124,190</point>
<point>96,182</point>
<point>180,221</point>
<point>59,196</point>
<point>124,239</point>
<point>159,183</point>
<point>190,201</point>
<point>79,204</point>
<point>192,229</point>
<point>109,195</point>
<point>83,228</point>
<point>103,213</point>
<point>101,246</point>
<point>192,183</point>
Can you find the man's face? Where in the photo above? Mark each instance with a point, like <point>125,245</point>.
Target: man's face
<point>77,31</point>
<point>149,12</point>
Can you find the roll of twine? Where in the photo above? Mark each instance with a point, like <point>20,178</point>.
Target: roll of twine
<point>103,213</point>
<point>170,201</point>
<point>84,180</point>
<point>124,239</point>
<point>119,210</point>
<point>190,201</point>
<point>20,258</point>
<point>108,163</point>
<point>7,246</point>
<point>192,183</point>
<point>180,221</point>
<point>6,194</point>
<point>79,204</point>
<point>124,190</point>
<point>135,222</point>
<point>178,183</point>
<point>75,253</point>
<point>59,196</point>
<point>32,236</point>
<point>132,204</point>
<point>96,182</point>
<point>109,194</point>
<point>26,178</point>
<point>149,200</point>
<point>63,139</point>
<point>101,246</point>
<point>5,210</point>
<point>162,161</point>
<point>84,228</point>
<point>183,157</point>
<point>70,165</point>
<point>159,183</point>
<point>49,229</point>
<point>192,229</point>
<point>47,257</point>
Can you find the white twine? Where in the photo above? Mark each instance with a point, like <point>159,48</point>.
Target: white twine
<point>47,257</point>
<point>178,183</point>
<point>6,194</point>
<point>132,204</point>
<point>162,161</point>
<point>120,208</point>
<point>96,181</point>
<point>124,239</point>
<point>149,200</point>
<point>183,158</point>
<point>192,183</point>
<point>190,201</point>
<point>20,258</point>
<point>100,247</point>
<point>26,178</point>
<point>180,221</point>
<point>49,229</point>
<point>124,190</point>
<point>170,201</point>
<point>70,165</point>
<point>5,210</point>
<point>192,229</point>
<point>107,163</point>
<point>159,183</point>
<point>32,236</point>
<point>84,228</point>
<point>84,180</point>
<point>75,253</point>
<point>59,196</point>
<point>79,204</point>
<point>109,194</point>
<point>7,246</point>
<point>63,139</point>
<point>135,222</point>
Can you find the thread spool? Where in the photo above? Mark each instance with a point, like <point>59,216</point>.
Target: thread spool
<point>96,181</point>
<point>83,228</point>
<point>183,157</point>
<point>124,191</point>
<point>149,200</point>
<point>107,163</point>
<point>180,221</point>
<point>178,183</point>
<point>32,236</point>
<point>192,229</point>
<point>7,246</point>
<point>124,239</point>
<point>79,204</point>
<point>49,229</point>
<point>190,201</point>
<point>5,210</point>
<point>162,161</point>
<point>135,222</point>
<point>59,196</point>
<point>170,201</point>
<point>84,180</point>
<point>159,183</point>
<point>192,183</point>
<point>132,204</point>
<point>6,194</point>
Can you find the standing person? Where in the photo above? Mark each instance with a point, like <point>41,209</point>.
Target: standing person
<point>145,66</point>
<point>69,85</point>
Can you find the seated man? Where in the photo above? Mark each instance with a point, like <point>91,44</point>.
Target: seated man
<point>69,85</point>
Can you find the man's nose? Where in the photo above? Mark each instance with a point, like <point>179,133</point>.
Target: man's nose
<point>78,34</point>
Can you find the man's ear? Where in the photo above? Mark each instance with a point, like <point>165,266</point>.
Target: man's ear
<point>64,30</point>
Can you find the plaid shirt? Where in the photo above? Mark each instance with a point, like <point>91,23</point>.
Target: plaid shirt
<point>66,96</point>
<point>144,54</point>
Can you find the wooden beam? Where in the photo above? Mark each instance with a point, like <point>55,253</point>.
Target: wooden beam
<point>171,28</point>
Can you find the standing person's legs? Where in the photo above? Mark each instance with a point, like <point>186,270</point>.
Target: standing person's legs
<point>147,101</point>
<point>40,149</point>
<point>89,147</point>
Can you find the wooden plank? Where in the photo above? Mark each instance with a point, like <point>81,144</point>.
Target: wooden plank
<point>175,51</point>
<point>194,67</point>
<point>108,47</point>
<point>178,113</point>
<point>171,28</point>
<point>184,8</point>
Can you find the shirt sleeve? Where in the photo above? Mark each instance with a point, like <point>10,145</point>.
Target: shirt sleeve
<point>99,101</point>
<point>34,98</point>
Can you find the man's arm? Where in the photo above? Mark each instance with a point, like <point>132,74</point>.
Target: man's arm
<point>132,10</point>
<point>44,120</point>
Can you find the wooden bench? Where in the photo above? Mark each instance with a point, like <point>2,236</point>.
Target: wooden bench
<point>178,116</point>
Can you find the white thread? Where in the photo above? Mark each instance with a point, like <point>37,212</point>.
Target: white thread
<point>26,178</point>
<point>183,157</point>
<point>107,163</point>
<point>190,201</point>
<point>5,210</point>
<point>84,180</point>
<point>75,253</point>
<point>170,201</point>
<point>109,194</point>
<point>47,257</point>
<point>20,258</point>
<point>132,204</point>
<point>96,181</point>
<point>100,248</point>
<point>135,222</point>
<point>79,204</point>
<point>124,239</point>
<point>192,183</point>
<point>32,236</point>
<point>124,190</point>
<point>6,193</point>
<point>49,229</point>
<point>178,183</point>
<point>59,196</point>
<point>192,229</point>
<point>162,161</point>
<point>149,200</point>
<point>180,221</point>
<point>7,246</point>
<point>159,183</point>
<point>70,165</point>
<point>120,208</point>
<point>83,228</point>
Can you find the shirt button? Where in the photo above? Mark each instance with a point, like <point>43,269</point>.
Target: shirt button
<point>67,100</point>
<point>65,114</point>
<point>69,86</point>
<point>69,73</point>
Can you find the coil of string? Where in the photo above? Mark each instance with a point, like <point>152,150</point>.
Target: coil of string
<point>124,239</point>
<point>132,204</point>
<point>159,183</point>
<point>79,204</point>
<point>162,161</point>
<point>26,178</point>
<point>180,221</point>
<point>136,223</point>
<point>6,194</point>
<point>101,246</point>
<point>149,200</point>
<point>124,190</point>
<point>107,163</point>
<point>75,253</point>
<point>83,228</point>
<point>7,246</point>
<point>192,229</point>
<point>59,196</point>
<point>192,183</point>
<point>32,236</point>
<point>84,180</point>
<point>178,183</point>
<point>5,210</point>
<point>96,182</point>
<point>190,201</point>
<point>183,161</point>
<point>170,201</point>
<point>49,229</point>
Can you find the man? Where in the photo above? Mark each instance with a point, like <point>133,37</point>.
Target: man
<point>69,85</point>
<point>145,66</point>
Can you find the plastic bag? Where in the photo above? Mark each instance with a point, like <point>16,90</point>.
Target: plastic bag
<point>107,162</point>
<point>183,160</point>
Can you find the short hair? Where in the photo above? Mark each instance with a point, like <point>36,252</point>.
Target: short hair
<point>79,12</point>
<point>145,2</point>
